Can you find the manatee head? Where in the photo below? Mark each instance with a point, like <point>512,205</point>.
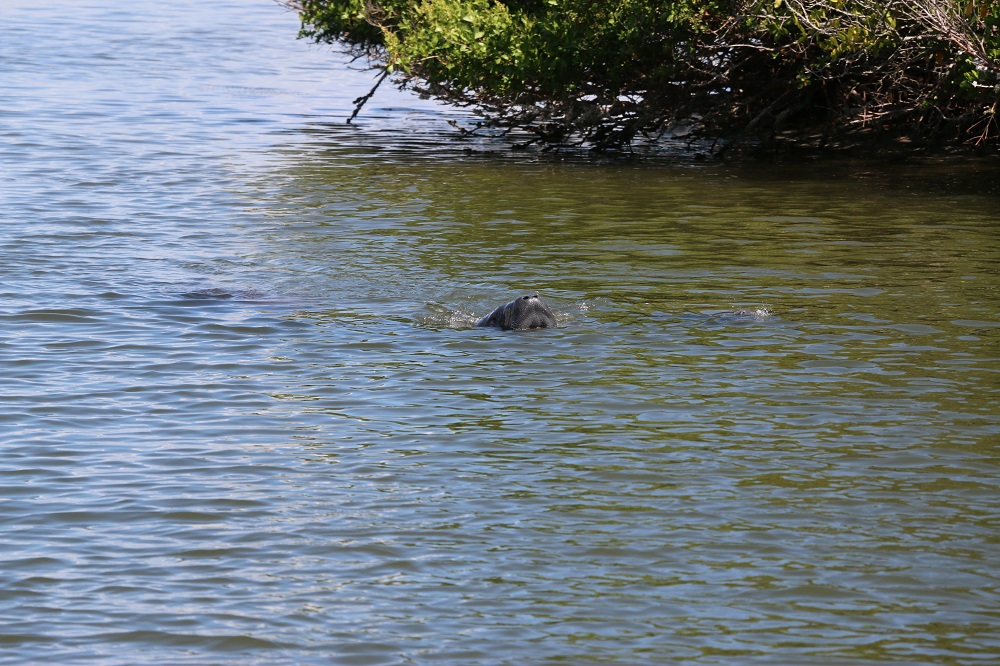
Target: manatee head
<point>522,313</point>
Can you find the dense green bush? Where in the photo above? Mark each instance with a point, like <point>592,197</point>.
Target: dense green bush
<point>602,73</point>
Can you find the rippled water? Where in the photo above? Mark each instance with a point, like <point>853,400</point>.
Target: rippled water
<point>246,419</point>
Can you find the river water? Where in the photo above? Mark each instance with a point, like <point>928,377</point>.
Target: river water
<point>246,419</point>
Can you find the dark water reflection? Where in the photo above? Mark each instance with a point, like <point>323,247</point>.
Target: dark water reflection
<point>331,466</point>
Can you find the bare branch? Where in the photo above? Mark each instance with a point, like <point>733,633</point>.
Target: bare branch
<point>361,101</point>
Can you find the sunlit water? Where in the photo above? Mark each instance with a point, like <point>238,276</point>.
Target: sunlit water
<point>246,419</point>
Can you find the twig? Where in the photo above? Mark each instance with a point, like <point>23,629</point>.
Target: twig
<point>361,101</point>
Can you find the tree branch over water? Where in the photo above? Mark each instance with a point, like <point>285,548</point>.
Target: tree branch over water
<point>360,102</point>
<point>740,72</point>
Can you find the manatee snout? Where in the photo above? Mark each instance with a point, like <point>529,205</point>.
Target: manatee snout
<point>523,313</point>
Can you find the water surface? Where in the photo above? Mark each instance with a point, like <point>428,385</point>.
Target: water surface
<point>246,418</point>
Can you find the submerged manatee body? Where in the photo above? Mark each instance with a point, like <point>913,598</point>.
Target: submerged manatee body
<point>206,294</point>
<point>520,314</point>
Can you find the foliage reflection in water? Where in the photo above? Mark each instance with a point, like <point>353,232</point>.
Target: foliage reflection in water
<point>808,479</point>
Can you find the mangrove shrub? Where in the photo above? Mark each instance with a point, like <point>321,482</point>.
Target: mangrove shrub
<point>605,74</point>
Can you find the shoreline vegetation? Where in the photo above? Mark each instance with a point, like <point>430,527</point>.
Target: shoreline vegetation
<point>873,77</point>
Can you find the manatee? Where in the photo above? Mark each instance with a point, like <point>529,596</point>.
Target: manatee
<point>216,294</point>
<point>758,314</point>
<point>213,293</point>
<point>520,314</point>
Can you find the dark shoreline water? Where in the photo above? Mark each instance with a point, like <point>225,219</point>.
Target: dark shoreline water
<point>334,466</point>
